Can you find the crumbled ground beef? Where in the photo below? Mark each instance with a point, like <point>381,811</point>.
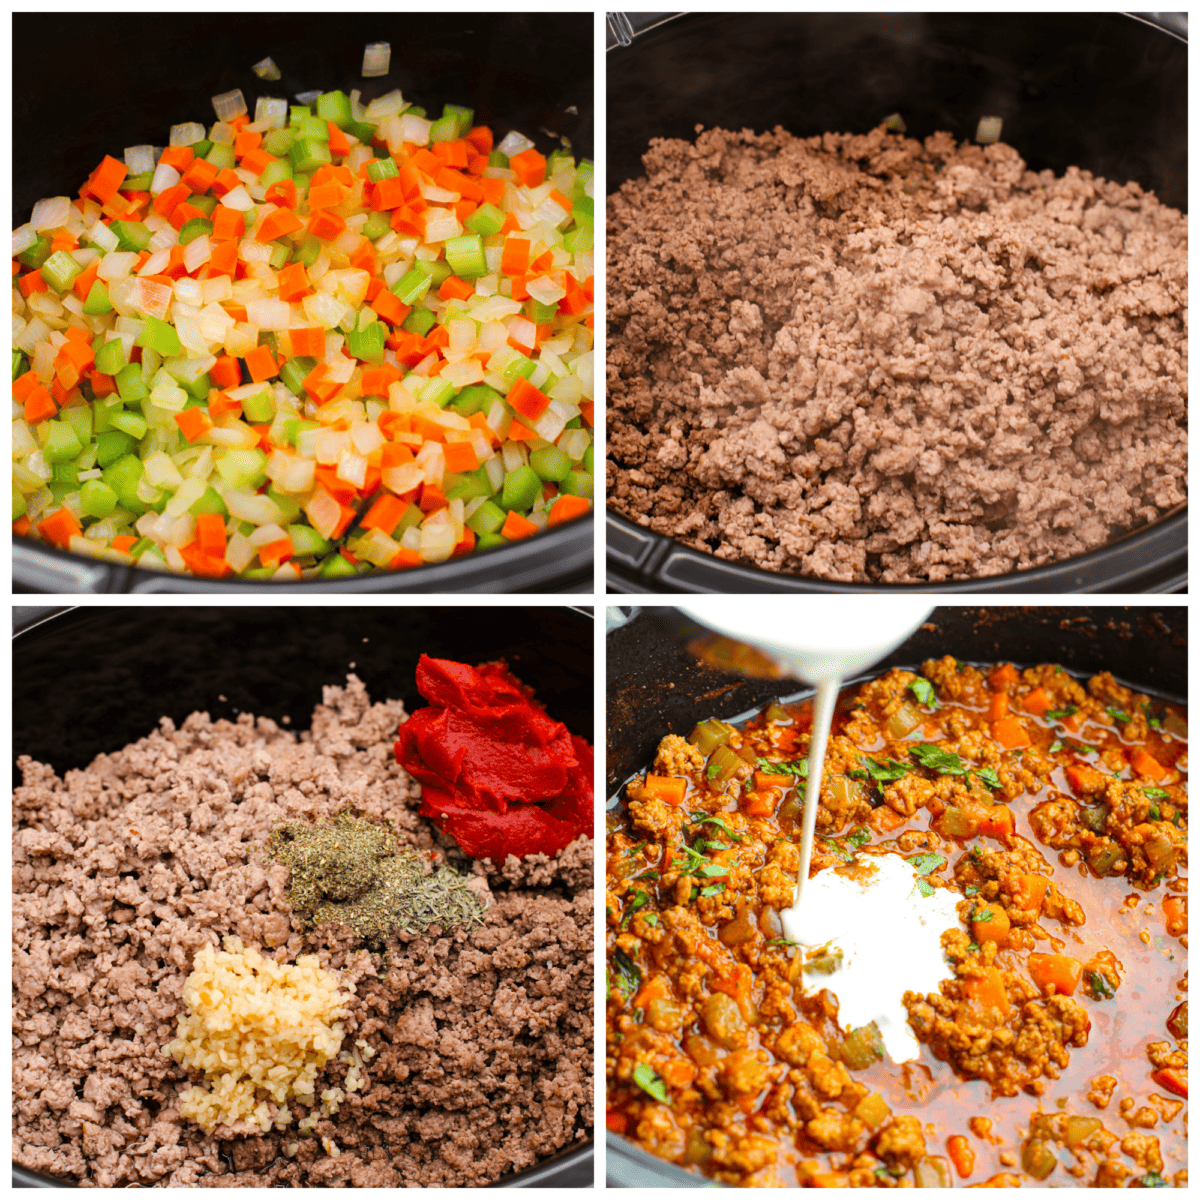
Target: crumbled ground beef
<point>867,358</point>
<point>482,1041</point>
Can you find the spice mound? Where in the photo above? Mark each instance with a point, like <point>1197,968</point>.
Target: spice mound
<point>497,773</point>
<point>352,872</point>
<point>259,1030</point>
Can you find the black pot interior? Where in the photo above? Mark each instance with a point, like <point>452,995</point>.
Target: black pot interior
<point>1104,91</point>
<point>655,687</point>
<point>93,679</point>
<point>107,81</point>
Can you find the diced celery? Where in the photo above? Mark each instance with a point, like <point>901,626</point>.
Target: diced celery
<point>130,386</point>
<point>438,270</point>
<point>410,287</point>
<point>289,506</point>
<point>131,423</point>
<point>280,254</point>
<point>308,251</point>
<point>294,372</point>
<point>444,129</point>
<point>578,483</point>
<point>205,204</point>
<point>335,107</point>
<point>193,228</point>
<point>367,344</point>
<point>20,508</point>
<point>61,444</point>
<point>589,460</point>
<point>306,540</point>
<point>465,256</point>
<point>337,567</point>
<point>97,301</point>
<point>37,254</point>
<point>221,157</point>
<point>297,112</point>
<point>259,408</point>
<point>486,220</point>
<point>97,499</point>
<point>487,540</point>
<point>439,390</point>
<point>521,488</point>
<point>110,358</point>
<point>420,321</point>
<point>277,142</point>
<point>363,130</point>
<point>550,463</point>
<point>209,502</point>
<point>497,159</point>
<point>112,445</point>
<point>244,470</point>
<point>59,270</point>
<point>377,224</point>
<point>313,128</point>
<point>159,336</point>
<point>518,367</point>
<point>294,427</point>
<point>79,417</point>
<point>383,168</point>
<point>123,477</point>
<point>308,153</point>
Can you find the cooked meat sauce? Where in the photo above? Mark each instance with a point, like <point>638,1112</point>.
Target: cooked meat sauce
<point>1054,1051</point>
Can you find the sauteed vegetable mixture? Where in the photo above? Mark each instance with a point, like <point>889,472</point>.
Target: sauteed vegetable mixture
<point>1054,1051</point>
<point>332,339</point>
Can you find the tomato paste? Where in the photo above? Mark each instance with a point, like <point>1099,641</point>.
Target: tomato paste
<point>497,773</point>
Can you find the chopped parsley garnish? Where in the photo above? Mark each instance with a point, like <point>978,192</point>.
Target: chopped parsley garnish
<point>710,870</point>
<point>1153,1179</point>
<point>626,975</point>
<point>1155,813</point>
<point>634,849</point>
<point>924,863</point>
<point>973,947</point>
<point>651,874</point>
<point>988,776</point>
<point>798,768</point>
<point>705,844</point>
<point>651,918</point>
<point>859,836</point>
<point>970,890</point>
<point>860,775</point>
<point>924,887</point>
<point>981,915</point>
<point>938,760</point>
<point>1055,747</point>
<point>923,690</point>
<point>1119,715</point>
<point>782,942</point>
<point>1155,793</point>
<point>840,852</point>
<point>1100,985</point>
<point>699,818</point>
<point>1060,714</point>
<point>887,772</point>
<point>713,889</point>
<point>648,1080</point>
<point>639,901</point>
<point>1151,719</point>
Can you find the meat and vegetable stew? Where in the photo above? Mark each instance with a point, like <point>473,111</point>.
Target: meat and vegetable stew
<point>1047,816</point>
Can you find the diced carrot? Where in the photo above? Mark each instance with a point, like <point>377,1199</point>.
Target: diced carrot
<point>828,1179</point>
<point>515,259</point>
<point>995,821</point>
<point>236,311</point>
<point>39,405</point>
<point>194,423</point>
<point>261,364</point>
<point>465,544</point>
<point>391,308</point>
<point>988,990</point>
<point>527,400</point>
<point>543,262</point>
<point>337,141</point>
<point>221,404</point>
<point>82,284</point>
<point>1172,1079</point>
<point>274,553</point>
<point>238,121</point>
<point>21,526</point>
<point>106,179</point>
<point>1038,702</point>
<point>308,341</point>
<point>560,200</point>
<point>405,557</point>
<point>454,288</point>
<point>432,498</point>
<point>521,433</point>
<point>283,193</point>
<point>179,157</point>
<point>317,386</point>
<point>516,526</point>
<point>225,372</point>
<point>293,282</point>
<point>519,290</point>
<point>480,136</point>
<point>364,256</point>
<point>125,542</point>
<point>227,179</point>
<point>1028,892</point>
<point>257,161</point>
<point>32,282</point>
<point>493,191</point>
<point>529,167</point>
<point>59,528</point>
<point>997,706</point>
<point>25,385</point>
<point>1085,780</point>
<point>567,508</point>
<point>1003,676</point>
<point>1057,971</point>
<point>461,456</point>
<point>210,533</point>
<point>199,176</point>
<point>246,140</point>
<point>388,194</point>
<point>408,221</point>
<point>223,260</point>
<point>764,779</point>
<point>227,223</point>
<point>1144,763</point>
<point>385,513</point>
<point>1010,733</point>
<point>325,224</point>
<point>425,161</point>
<point>278,223</point>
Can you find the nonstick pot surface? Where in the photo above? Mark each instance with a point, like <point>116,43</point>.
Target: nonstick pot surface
<point>1106,92</point>
<point>89,680</point>
<point>117,80</point>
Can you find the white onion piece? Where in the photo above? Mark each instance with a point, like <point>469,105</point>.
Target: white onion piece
<point>229,105</point>
<point>266,69</point>
<point>140,159</point>
<point>187,134</point>
<point>377,59</point>
<point>52,213</point>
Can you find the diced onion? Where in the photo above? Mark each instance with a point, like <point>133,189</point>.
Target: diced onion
<point>270,113</point>
<point>140,159</point>
<point>988,130</point>
<point>51,214</point>
<point>23,237</point>
<point>229,105</point>
<point>266,69</point>
<point>514,143</point>
<point>377,59</point>
<point>187,134</point>
<point>414,129</point>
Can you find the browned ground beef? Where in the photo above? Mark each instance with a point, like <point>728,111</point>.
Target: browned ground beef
<point>122,871</point>
<point>817,369</point>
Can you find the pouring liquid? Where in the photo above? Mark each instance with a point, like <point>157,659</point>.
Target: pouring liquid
<point>880,958</point>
